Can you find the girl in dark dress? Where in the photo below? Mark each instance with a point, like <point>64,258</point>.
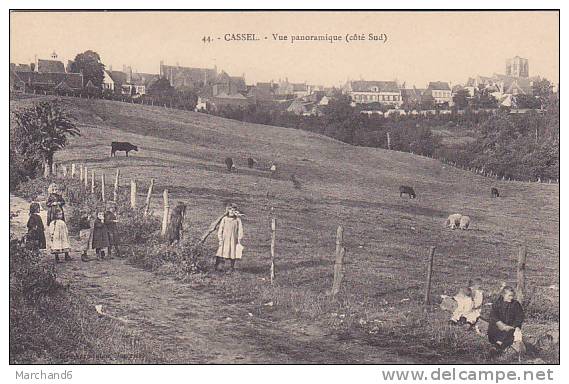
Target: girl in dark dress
<point>111,224</point>
<point>98,238</point>
<point>55,203</point>
<point>35,239</point>
<point>506,319</point>
<point>175,227</point>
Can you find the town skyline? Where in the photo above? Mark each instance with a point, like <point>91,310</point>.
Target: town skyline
<point>415,64</point>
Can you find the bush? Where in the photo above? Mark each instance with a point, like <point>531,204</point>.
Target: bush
<point>29,277</point>
<point>180,260</point>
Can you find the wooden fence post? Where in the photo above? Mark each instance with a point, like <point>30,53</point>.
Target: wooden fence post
<point>64,170</point>
<point>133,193</point>
<point>339,262</point>
<point>116,188</point>
<point>429,276</point>
<point>103,187</point>
<point>148,196</point>
<point>521,276</point>
<point>73,170</point>
<point>273,245</point>
<point>388,141</point>
<point>93,181</point>
<point>86,178</point>
<point>54,169</point>
<point>166,215</point>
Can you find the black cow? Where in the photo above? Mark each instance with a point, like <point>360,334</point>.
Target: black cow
<point>408,190</point>
<point>122,146</point>
<point>229,163</point>
<point>251,162</point>
<point>495,192</point>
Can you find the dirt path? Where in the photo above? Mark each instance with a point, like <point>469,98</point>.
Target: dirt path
<point>191,326</point>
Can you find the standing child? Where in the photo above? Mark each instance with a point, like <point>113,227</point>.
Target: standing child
<point>59,237</point>
<point>110,220</point>
<point>35,239</point>
<point>55,203</point>
<point>229,234</point>
<point>99,236</point>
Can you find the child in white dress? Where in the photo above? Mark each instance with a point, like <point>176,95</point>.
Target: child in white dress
<point>59,237</point>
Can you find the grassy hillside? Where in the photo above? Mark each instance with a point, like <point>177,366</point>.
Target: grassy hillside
<point>387,237</point>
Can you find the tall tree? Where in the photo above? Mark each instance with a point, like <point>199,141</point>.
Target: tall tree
<point>460,98</point>
<point>89,64</point>
<point>42,130</point>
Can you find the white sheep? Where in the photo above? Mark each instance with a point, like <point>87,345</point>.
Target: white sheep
<point>464,222</point>
<point>453,221</point>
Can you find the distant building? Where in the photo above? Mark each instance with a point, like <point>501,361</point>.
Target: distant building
<point>440,91</point>
<point>228,85</point>
<point>108,82</point>
<point>188,77</point>
<point>51,82</point>
<point>517,67</point>
<point>262,92</point>
<point>50,66</point>
<point>383,92</point>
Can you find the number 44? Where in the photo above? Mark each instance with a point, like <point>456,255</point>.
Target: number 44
<point>206,39</point>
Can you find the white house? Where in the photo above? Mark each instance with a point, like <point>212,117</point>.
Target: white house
<point>108,83</point>
<point>383,92</point>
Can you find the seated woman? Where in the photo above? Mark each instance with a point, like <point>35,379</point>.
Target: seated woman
<point>506,320</point>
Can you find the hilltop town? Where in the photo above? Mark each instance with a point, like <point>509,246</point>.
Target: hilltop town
<point>212,89</point>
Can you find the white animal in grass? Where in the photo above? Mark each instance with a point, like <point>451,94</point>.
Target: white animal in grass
<point>453,221</point>
<point>464,222</point>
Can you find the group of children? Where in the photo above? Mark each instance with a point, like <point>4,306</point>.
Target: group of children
<point>504,321</point>
<point>103,231</point>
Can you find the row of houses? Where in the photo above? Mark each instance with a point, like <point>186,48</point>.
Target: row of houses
<point>217,88</point>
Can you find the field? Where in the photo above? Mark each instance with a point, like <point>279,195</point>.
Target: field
<point>387,237</point>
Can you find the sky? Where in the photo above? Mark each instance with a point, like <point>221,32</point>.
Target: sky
<point>420,46</point>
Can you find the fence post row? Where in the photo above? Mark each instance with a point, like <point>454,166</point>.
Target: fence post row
<point>339,262</point>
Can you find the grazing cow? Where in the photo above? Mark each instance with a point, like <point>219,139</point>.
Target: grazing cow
<point>251,162</point>
<point>122,146</point>
<point>408,190</point>
<point>229,163</point>
<point>464,222</point>
<point>495,192</point>
<point>453,221</point>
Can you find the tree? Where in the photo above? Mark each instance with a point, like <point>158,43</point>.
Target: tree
<point>40,131</point>
<point>161,88</point>
<point>89,64</point>
<point>527,102</point>
<point>541,88</point>
<point>427,102</point>
<point>460,98</point>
